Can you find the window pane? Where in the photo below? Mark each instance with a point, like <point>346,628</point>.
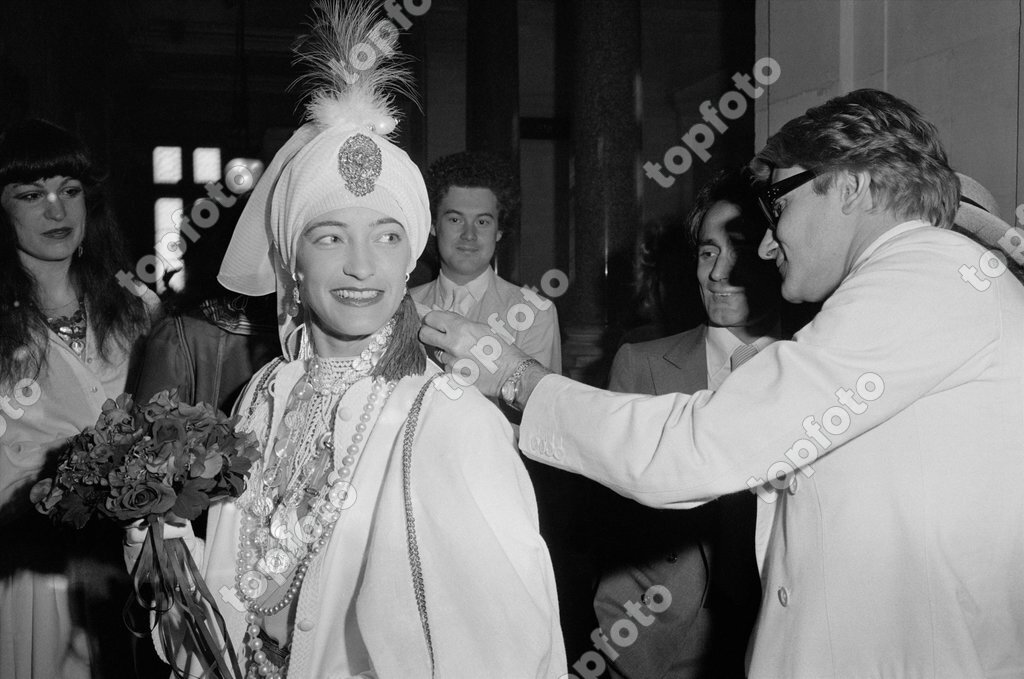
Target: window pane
<point>167,165</point>
<point>205,165</point>
<point>167,216</point>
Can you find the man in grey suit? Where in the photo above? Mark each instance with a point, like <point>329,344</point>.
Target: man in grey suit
<point>704,557</point>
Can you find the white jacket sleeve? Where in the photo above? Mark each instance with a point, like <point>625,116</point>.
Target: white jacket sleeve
<point>878,344</point>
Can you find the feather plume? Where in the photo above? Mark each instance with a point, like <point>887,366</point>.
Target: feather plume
<point>354,67</point>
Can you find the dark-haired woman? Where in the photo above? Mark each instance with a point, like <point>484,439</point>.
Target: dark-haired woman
<point>67,329</point>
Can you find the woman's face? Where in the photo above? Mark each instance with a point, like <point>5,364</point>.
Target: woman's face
<point>48,217</point>
<point>351,267</point>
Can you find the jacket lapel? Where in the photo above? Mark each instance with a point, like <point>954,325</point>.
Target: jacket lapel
<point>688,365</point>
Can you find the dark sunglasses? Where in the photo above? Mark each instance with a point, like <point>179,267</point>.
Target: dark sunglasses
<point>768,197</point>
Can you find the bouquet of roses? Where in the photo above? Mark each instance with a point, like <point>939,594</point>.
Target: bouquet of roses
<point>158,462</point>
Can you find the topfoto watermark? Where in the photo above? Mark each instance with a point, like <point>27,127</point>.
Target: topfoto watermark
<point>700,137</point>
<point>993,262</point>
<point>26,393</point>
<point>624,632</point>
<point>363,55</point>
<point>836,421</point>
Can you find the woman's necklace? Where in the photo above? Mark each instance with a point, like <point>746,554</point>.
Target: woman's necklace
<point>71,329</point>
<point>296,496</point>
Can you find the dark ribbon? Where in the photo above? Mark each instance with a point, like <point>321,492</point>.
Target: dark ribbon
<point>166,579</point>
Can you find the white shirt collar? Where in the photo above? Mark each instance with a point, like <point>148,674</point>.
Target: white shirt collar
<point>720,345</point>
<point>476,287</point>
<point>889,235</point>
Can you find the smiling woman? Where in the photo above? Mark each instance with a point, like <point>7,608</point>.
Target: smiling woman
<point>68,327</point>
<point>387,531</point>
<point>351,271</point>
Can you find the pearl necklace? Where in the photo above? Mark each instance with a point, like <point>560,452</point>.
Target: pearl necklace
<point>317,526</point>
<point>272,540</point>
<point>321,379</point>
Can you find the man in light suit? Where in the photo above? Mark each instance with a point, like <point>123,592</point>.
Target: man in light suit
<point>890,425</point>
<point>704,556</point>
<point>473,200</point>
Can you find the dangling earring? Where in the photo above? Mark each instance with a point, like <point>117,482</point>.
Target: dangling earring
<point>406,292</point>
<point>81,249</point>
<point>291,306</point>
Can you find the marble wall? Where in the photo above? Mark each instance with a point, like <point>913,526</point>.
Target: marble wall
<point>957,61</point>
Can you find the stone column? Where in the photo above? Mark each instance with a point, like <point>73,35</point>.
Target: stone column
<point>606,210</point>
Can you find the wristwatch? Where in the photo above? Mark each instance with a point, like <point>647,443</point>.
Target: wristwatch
<point>510,388</point>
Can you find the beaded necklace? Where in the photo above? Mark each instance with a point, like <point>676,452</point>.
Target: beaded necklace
<point>71,329</point>
<point>296,496</point>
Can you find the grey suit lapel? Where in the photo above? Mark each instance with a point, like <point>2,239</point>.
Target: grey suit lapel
<point>689,358</point>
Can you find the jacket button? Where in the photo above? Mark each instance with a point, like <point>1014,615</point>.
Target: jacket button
<point>305,625</point>
<point>783,596</point>
<point>792,486</point>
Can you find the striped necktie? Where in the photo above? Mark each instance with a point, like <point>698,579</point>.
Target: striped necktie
<point>743,353</point>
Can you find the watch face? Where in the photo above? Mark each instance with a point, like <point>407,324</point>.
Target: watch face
<point>508,391</point>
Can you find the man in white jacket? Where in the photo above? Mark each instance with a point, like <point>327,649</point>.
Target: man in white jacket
<point>891,424</point>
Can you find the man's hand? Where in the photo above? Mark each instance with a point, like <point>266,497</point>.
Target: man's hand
<point>471,351</point>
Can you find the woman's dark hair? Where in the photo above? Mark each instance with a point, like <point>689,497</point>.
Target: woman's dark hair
<point>35,149</point>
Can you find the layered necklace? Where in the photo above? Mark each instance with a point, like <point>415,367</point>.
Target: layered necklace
<point>297,494</point>
<point>71,329</point>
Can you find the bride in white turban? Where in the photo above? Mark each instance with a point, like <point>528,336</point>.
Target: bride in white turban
<point>389,531</point>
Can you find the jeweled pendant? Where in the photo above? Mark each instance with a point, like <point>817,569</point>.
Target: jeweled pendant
<point>252,584</point>
<point>341,495</point>
<point>260,537</point>
<point>262,506</point>
<point>277,561</point>
<point>305,390</point>
<point>294,420</point>
<point>279,525</point>
<point>310,529</point>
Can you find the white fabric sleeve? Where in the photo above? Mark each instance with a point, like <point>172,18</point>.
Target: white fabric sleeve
<point>879,331</point>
